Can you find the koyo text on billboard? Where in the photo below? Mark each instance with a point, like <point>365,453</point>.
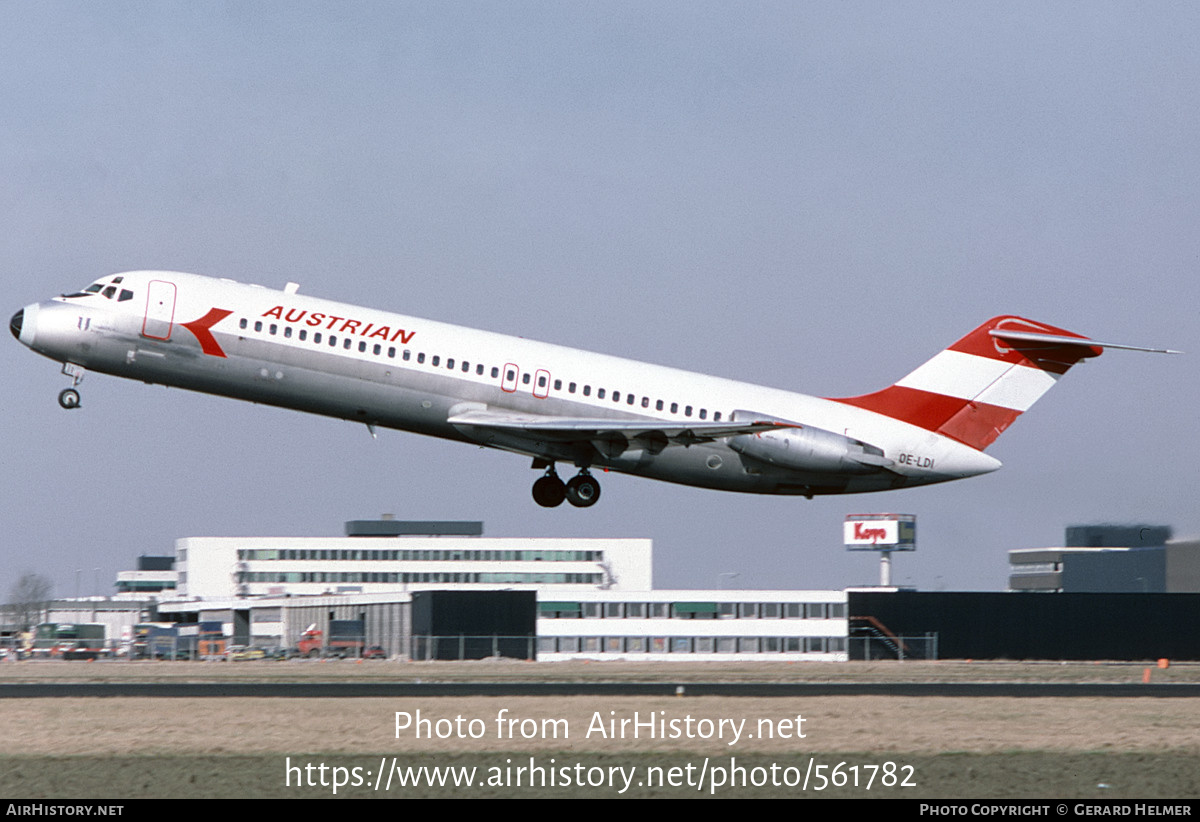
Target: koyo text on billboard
<point>880,532</point>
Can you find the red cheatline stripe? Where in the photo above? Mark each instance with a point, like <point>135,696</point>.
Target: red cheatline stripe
<point>200,328</point>
<point>971,423</point>
<point>928,410</point>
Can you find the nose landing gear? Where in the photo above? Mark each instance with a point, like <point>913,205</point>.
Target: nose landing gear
<point>69,398</point>
<point>582,491</point>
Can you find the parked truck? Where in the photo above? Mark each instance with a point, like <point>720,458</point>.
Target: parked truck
<point>347,638</point>
<point>69,640</point>
<point>155,640</point>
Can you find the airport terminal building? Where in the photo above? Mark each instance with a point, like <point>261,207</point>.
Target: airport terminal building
<point>386,556</point>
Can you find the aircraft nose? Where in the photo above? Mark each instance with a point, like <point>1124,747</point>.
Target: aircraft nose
<point>14,325</point>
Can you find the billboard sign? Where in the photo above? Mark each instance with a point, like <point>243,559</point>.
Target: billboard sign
<point>880,532</point>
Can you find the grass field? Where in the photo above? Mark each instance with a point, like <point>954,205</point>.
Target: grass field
<point>956,748</point>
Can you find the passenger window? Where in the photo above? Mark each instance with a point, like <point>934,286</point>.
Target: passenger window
<point>717,417</point>
<point>526,378</point>
<point>407,354</point>
<point>616,396</point>
<point>600,393</point>
<point>558,385</point>
<point>541,382</point>
<point>287,331</point>
<point>378,348</point>
<point>703,413</point>
<point>587,391</point>
<point>479,369</point>
<point>466,367</point>
<point>658,405</point>
<point>674,408</point>
<point>450,363</point>
<point>332,341</point>
<point>392,353</point>
<point>274,328</point>
<point>303,334</point>
<point>347,343</point>
<point>421,357</point>
<point>362,346</point>
<point>687,410</point>
<point>243,323</point>
<point>317,337</point>
<point>258,325</point>
<point>629,400</point>
<point>571,387</point>
<point>435,360</point>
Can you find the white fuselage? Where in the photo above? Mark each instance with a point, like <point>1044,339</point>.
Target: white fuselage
<point>390,370</point>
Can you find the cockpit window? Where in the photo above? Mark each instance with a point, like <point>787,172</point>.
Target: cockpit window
<point>87,292</point>
<point>106,289</point>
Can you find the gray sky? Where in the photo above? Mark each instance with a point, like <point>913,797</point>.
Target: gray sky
<point>816,197</point>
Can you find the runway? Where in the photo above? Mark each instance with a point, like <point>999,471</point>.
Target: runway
<point>357,690</point>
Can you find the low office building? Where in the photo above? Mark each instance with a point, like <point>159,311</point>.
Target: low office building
<point>648,625</point>
<point>694,624</point>
<point>1135,559</point>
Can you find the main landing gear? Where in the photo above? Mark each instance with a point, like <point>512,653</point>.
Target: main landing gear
<point>582,490</point>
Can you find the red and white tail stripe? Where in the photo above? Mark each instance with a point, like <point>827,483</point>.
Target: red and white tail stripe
<point>976,388</point>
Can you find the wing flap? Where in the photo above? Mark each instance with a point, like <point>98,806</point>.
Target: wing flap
<point>654,435</point>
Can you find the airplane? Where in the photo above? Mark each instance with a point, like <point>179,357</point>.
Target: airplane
<point>549,402</point>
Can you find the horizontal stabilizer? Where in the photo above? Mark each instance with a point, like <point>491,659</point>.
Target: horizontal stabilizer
<point>1083,342</point>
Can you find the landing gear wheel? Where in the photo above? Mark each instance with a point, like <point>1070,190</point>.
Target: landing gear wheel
<point>68,398</point>
<point>583,491</point>
<point>549,491</point>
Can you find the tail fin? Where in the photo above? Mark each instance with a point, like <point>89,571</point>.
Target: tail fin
<point>976,388</point>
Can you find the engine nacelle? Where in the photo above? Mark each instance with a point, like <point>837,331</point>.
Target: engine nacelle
<point>809,449</point>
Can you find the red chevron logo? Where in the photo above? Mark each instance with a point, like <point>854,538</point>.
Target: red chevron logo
<point>200,328</point>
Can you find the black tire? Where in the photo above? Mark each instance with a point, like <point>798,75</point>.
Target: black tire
<point>583,491</point>
<point>549,492</point>
<point>68,398</point>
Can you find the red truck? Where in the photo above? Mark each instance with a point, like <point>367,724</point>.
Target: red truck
<point>347,638</point>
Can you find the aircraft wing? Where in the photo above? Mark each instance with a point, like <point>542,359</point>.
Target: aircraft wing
<point>609,435</point>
